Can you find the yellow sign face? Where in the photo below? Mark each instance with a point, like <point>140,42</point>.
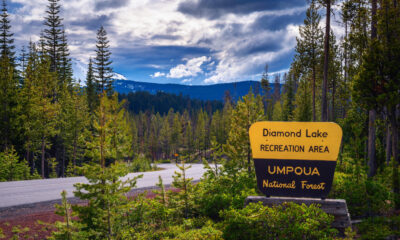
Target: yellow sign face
<point>295,140</point>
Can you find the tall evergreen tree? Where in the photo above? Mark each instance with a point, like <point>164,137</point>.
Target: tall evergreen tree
<point>200,132</point>
<point>303,101</point>
<point>74,125</point>
<point>277,89</point>
<point>65,66</point>
<point>103,71</point>
<point>266,89</point>
<point>53,34</point>
<point>91,88</point>
<point>309,48</point>
<point>288,98</point>
<point>6,37</point>
<point>372,111</point>
<point>8,100</point>
<point>41,109</point>
<point>324,106</point>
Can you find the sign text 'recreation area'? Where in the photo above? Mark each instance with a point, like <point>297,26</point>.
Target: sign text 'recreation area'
<point>295,159</point>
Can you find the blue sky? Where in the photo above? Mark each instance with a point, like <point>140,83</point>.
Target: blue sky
<point>174,41</point>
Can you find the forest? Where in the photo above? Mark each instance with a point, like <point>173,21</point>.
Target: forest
<point>53,127</point>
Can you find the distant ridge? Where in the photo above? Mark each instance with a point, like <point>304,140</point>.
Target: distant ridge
<point>202,92</point>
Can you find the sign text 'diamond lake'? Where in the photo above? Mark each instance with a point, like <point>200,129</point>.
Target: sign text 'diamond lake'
<point>295,159</point>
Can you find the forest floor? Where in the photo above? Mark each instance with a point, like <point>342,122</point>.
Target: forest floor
<point>33,221</point>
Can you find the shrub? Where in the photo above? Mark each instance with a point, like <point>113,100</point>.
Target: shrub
<point>11,169</point>
<point>287,221</point>
<point>380,228</point>
<point>223,191</point>
<point>363,196</point>
<point>206,232</point>
<point>140,164</point>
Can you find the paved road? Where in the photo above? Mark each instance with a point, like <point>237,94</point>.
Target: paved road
<point>34,191</point>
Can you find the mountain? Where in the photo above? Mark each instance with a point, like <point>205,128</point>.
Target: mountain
<point>202,92</point>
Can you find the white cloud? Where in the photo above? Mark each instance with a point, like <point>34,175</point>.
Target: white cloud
<point>187,80</point>
<point>157,74</point>
<point>233,67</point>
<point>191,69</point>
<point>118,76</point>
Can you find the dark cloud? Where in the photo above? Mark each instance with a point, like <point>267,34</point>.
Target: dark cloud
<point>166,37</point>
<point>274,23</point>
<point>158,55</point>
<point>259,47</point>
<point>105,4</point>
<point>93,23</point>
<point>216,8</point>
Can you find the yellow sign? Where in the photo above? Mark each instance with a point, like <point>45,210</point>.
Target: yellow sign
<point>295,140</point>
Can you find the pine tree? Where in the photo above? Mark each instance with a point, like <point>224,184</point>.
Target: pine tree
<point>111,140</point>
<point>74,120</point>
<point>200,133</point>
<point>99,147</point>
<point>6,37</point>
<point>277,89</point>
<point>324,101</point>
<point>189,141</point>
<point>69,229</point>
<point>335,77</point>
<point>266,90</point>
<point>288,98</point>
<point>41,110</point>
<point>9,102</point>
<point>216,127</point>
<point>65,66</point>
<point>309,48</point>
<point>23,59</point>
<point>104,216</point>
<point>161,194</point>
<point>303,111</point>
<point>53,34</point>
<point>176,134</point>
<point>91,88</point>
<point>121,138</point>
<point>247,111</point>
<point>277,113</point>
<point>184,198</point>
<point>226,121</point>
<point>133,131</point>
<point>103,71</point>
<point>26,96</point>
<point>165,138</point>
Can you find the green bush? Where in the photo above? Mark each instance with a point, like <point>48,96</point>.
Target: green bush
<point>11,169</point>
<point>140,164</point>
<point>363,196</point>
<point>287,221</point>
<point>206,232</point>
<point>223,191</point>
<point>380,228</point>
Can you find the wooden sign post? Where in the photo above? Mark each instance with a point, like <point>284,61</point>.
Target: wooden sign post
<point>296,159</point>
